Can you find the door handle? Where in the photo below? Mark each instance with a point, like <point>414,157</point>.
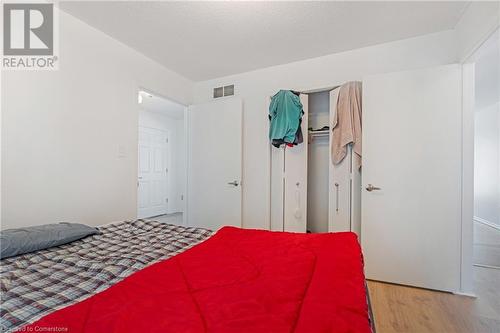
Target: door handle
<point>370,188</point>
<point>337,197</point>
<point>234,183</point>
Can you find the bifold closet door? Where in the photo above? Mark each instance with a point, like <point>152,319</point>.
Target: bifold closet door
<point>295,198</point>
<point>277,188</point>
<point>412,168</point>
<point>345,196</point>
<point>289,182</point>
<point>356,190</point>
<point>339,208</point>
<point>215,164</point>
<point>344,208</point>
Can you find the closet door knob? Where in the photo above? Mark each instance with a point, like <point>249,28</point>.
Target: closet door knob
<point>370,188</point>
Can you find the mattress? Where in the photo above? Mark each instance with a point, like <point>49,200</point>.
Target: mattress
<point>35,284</point>
<point>235,281</point>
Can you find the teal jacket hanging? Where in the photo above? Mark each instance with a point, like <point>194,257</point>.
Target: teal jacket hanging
<point>285,112</point>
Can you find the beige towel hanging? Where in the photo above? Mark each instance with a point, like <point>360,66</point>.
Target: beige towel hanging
<point>346,123</point>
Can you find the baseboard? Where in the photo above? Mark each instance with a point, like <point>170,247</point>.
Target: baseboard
<point>486,222</point>
<point>459,293</point>
<point>486,266</point>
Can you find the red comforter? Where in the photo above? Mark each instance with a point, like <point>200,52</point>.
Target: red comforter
<point>236,281</point>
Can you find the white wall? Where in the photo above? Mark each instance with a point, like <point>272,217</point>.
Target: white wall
<point>318,164</point>
<point>175,127</point>
<point>487,164</point>
<point>255,87</point>
<point>61,130</point>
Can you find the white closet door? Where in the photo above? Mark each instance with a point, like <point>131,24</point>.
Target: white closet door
<point>277,188</point>
<point>339,211</point>
<point>295,199</point>
<point>339,207</point>
<point>288,170</point>
<point>215,164</point>
<point>410,230</point>
<point>289,183</point>
<point>355,194</point>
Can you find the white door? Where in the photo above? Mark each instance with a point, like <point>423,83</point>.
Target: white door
<point>153,172</point>
<point>289,182</point>
<point>412,151</point>
<point>295,174</point>
<point>214,164</point>
<point>339,205</point>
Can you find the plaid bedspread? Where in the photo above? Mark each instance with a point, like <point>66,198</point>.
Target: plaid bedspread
<point>34,284</point>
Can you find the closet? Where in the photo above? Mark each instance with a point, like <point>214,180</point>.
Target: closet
<point>417,177</point>
<point>308,192</point>
<point>318,162</point>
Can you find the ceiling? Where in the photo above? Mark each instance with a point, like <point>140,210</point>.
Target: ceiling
<point>154,103</point>
<point>204,40</point>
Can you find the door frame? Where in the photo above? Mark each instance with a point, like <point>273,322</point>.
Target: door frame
<point>468,81</point>
<point>466,239</point>
<point>186,164</point>
<point>139,88</point>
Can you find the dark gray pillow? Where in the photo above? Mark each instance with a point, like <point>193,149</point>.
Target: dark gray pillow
<point>23,240</point>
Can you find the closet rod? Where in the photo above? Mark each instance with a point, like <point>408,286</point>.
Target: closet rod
<point>317,134</point>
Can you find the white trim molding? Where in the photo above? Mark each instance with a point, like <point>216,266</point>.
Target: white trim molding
<point>466,249</point>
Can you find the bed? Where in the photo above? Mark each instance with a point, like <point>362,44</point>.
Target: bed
<point>234,280</point>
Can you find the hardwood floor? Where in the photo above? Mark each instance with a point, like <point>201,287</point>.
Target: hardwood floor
<point>406,309</point>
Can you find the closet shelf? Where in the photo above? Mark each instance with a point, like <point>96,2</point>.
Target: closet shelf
<point>314,134</point>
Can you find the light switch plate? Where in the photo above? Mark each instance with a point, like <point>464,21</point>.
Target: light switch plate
<point>122,151</point>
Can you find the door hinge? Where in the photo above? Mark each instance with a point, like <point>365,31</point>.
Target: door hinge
<point>166,170</point>
<point>166,200</point>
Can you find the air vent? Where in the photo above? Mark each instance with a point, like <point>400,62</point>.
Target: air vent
<point>224,91</point>
<point>218,92</point>
<point>229,90</point>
